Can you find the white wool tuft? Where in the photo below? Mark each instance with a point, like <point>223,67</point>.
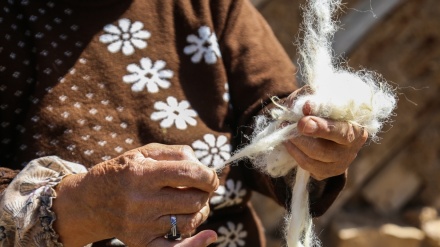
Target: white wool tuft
<point>350,97</point>
<point>361,98</point>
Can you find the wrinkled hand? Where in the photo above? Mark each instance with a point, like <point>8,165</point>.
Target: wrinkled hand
<point>324,147</point>
<point>132,197</point>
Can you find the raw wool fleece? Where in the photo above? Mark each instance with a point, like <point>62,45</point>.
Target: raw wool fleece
<point>361,98</point>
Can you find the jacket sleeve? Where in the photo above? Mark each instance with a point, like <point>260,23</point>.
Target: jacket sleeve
<point>26,215</point>
<point>257,63</point>
<point>6,176</point>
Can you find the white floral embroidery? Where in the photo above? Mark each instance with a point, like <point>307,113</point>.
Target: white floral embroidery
<point>227,196</point>
<point>205,46</point>
<point>174,112</point>
<point>125,36</point>
<point>226,95</point>
<point>232,236</point>
<point>148,75</point>
<point>212,151</point>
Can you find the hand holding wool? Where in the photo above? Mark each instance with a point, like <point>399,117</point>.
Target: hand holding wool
<point>323,147</point>
<point>327,148</point>
<point>360,99</point>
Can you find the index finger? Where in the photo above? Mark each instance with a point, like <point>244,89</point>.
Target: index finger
<point>343,133</point>
<point>159,151</point>
<point>185,174</point>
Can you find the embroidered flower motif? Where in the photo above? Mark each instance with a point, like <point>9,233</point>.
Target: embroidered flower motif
<point>232,236</point>
<point>116,242</point>
<point>212,151</point>
<point>205,46</point>
<point>174,112</point>
<point>148,75</point>
<point>125,36</point>
<point>226,95</point>
<point>227,196</point>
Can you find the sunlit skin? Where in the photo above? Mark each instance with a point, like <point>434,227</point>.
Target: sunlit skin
<point>132,197</point>
<point>324,147</point>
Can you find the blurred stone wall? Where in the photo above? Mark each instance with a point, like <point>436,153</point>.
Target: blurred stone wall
<point>392,197</point>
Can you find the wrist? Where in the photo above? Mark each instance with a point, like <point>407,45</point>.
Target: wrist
<point>75,219</point>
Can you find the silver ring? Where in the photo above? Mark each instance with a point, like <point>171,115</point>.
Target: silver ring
<point>173,234</point>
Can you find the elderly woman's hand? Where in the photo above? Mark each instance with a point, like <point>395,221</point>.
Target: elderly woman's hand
<point>324,147</point>
<point>133,196</point>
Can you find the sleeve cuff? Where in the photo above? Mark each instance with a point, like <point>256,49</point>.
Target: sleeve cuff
<point>324,193</point>
<point>26,217</point>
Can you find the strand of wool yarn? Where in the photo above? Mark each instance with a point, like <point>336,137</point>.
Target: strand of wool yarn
<point>362,98</point>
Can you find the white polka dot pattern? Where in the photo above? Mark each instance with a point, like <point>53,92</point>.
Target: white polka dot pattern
<point>11,80</point>
<point>78,115</point>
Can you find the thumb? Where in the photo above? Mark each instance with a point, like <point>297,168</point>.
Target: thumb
<point>201,239</point>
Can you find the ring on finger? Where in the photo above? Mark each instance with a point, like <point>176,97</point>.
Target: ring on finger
<point>173,234</point>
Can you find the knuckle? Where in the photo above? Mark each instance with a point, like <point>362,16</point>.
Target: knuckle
<point>360,133</point>
<point>186,169</point>
<point>346,132</point>
<point>190,223</point>
<point>125,158</point>
<point>349,137</point>
<point>186,152</point>
<point>130,158</point>
<point>200,201</point>
<point>364,136</point>
<point>196,201</point>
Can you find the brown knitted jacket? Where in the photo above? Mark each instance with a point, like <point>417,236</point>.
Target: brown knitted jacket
<point>87,80</point>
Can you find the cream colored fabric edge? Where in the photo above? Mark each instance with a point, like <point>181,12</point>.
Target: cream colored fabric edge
<point>26,217</point>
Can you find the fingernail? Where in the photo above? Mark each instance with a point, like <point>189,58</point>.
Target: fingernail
<point>307,109</point>
<point>211,240</point>
<point>310,127</point>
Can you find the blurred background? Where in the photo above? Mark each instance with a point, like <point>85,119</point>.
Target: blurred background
<point>392,198</point>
